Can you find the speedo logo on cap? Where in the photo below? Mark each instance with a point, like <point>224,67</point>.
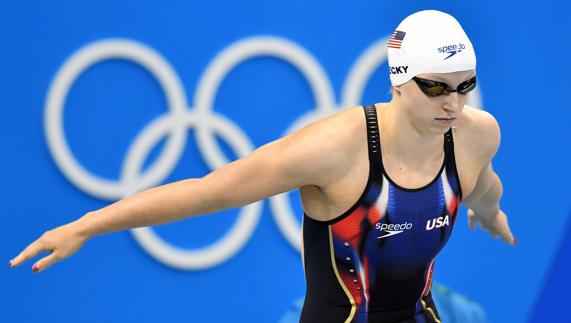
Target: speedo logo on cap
<point>398,69</point>
<point>451,50</point>
<point>387,230</point>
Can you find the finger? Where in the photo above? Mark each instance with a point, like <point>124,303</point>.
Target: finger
<point>507,235</point>
<point>45,263</point>
<point>30,252</point>
<point>473,224</point>
<point>509,238</point>
<point>494,235</point>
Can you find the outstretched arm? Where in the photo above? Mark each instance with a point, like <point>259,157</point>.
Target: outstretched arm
<point>283,165</point>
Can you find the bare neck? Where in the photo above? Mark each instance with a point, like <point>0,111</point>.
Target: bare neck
<point>404,140</point>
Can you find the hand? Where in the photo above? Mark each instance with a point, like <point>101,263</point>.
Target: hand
<point>61,242</point>
<point>496,225</point>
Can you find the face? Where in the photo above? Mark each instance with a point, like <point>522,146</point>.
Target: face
<point>435,114</point>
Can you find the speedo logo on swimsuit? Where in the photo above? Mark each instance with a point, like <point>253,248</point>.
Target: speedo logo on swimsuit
<point>451,50</point>
<point>388,230</point>
<point>437,223</point>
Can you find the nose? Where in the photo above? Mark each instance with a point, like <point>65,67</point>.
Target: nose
<point>452,102</point>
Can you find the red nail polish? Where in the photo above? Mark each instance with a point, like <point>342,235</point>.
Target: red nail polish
<point>515,240</point>
<point>36,268</point>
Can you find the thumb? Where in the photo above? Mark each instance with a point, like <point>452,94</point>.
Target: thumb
<point>45,263</point>
<point>472,223</point>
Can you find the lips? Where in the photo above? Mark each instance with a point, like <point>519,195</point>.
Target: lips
<point>447,121</point>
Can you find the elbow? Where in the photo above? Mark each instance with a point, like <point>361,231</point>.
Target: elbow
<point>486,200</point>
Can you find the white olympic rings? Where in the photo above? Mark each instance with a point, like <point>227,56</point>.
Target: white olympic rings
<point>202,117</point>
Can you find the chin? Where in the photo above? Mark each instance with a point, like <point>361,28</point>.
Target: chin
<point>440,128</point>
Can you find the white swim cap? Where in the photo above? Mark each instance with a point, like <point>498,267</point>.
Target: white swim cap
<point>428,41</point>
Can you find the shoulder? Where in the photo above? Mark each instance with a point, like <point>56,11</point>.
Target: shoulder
<point>478,131</point>
<point>340,129</point>
<point>324,149</point>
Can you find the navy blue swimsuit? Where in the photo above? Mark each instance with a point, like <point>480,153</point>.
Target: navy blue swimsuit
<point>374,263</point>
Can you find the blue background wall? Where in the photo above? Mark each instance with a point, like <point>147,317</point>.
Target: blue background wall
<point>523,70</point>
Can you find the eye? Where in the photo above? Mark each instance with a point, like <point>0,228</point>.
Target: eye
<point>467,87</point>
<point>435,90</point>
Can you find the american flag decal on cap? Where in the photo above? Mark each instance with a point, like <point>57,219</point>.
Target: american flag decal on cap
<point>396,39</point>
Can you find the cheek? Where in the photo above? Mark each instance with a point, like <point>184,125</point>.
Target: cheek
<point>435,109</point>
<point>464,100</point>
<point>424,108</point>
<point>419,104</point>
<point>431,104</point>
<point>414,97</point>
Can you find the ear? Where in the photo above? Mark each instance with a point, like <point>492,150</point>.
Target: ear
<point>396,91</point>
